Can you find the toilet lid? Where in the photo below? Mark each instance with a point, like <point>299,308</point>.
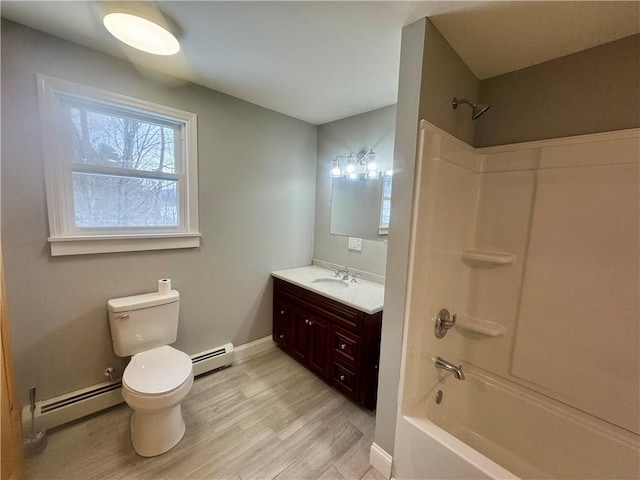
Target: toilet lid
<point>157,371</point>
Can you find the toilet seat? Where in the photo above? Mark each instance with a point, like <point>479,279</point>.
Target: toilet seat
<point>157,372</point>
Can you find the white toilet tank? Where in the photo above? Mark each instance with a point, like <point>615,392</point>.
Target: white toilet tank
<point>142,322</point>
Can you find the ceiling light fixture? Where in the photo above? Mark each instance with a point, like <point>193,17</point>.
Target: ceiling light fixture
<point>141,26</point>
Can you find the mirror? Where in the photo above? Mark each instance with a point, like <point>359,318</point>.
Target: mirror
<point>360,208</point>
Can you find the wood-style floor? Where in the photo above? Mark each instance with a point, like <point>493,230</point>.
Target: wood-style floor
<point>265,418</point>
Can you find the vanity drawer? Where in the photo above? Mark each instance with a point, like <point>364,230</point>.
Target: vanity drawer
<point>346,346</point>
<point>344,379</point>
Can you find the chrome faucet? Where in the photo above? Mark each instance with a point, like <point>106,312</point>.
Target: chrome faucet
<point>344,272</point>
<point>450,367</point>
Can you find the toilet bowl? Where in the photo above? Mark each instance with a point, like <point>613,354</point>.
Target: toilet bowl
<point>153,385</point>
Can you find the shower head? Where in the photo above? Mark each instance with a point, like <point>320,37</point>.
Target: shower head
<point>478,109</point>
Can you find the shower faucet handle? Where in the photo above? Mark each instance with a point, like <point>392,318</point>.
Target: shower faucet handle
<point>444,321</point>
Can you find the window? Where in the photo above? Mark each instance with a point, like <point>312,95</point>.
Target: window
<point>385,207</point>
<point>121,173</point>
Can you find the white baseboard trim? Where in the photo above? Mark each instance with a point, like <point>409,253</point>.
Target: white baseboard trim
<point>380,460</point>
<point>248,350</point>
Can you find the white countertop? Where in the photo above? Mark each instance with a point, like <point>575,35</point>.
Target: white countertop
<point>364,295</point>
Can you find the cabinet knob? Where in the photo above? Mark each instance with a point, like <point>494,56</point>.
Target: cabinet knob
<point>281,335</point>
<point>310,322</point>
<point>342,378</point>
<point>282,312</point>
<point>343,346</point>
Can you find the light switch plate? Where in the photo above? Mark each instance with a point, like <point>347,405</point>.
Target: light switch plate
<point>355,244</point>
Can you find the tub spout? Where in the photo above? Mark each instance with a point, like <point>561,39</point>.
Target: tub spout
<point>450,367</point>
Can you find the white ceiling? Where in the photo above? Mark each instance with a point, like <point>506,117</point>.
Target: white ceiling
<point>321,61</point>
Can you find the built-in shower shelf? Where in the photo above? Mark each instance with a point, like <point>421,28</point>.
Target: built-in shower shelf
<point>479,325</point>
<point>487,258</point>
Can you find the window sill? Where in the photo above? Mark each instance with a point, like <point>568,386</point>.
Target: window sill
<point>85,245</point>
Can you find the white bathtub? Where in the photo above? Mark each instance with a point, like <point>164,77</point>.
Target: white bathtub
<point>487,427</point>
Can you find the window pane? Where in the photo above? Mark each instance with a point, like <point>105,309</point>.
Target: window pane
<point>386,212</point>
<point>104,138</point>
<point>113,201</point>
<point>386,186</point>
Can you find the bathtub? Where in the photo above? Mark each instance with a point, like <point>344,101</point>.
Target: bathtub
<point>488,427</point>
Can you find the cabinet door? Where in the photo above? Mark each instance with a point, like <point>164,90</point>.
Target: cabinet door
<point>301,334</point>
<point>319,350</point>
<point>282,328</point>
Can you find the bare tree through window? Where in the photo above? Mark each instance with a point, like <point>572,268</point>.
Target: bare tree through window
<point>122,169</point>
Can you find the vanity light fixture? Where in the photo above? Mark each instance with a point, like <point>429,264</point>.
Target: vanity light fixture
<point>141,26</point>
<point>356,166</point>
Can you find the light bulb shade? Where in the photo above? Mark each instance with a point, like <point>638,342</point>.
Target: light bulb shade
<point>141,33</point>
<point>371,161</point>
<point>351,168</point>
<point>388,173</point>
<point>336,172</point>
<point>352,176</point>
<point>372,175</point>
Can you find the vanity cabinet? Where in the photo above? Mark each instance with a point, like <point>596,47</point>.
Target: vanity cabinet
<point>337,342</point>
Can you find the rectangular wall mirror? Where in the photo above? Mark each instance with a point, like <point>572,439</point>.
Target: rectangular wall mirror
<point>360,208</point>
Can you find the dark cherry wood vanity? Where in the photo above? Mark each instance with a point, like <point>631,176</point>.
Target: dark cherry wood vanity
<point>337,342</point>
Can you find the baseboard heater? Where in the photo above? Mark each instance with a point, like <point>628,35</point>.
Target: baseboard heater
<point>71,406</point>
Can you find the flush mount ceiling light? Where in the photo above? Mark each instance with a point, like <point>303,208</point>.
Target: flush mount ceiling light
<point>141,26</point>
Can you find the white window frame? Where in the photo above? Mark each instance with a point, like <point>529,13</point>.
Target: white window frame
<point>67,239</point>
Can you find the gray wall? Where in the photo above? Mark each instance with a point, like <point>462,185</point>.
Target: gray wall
<point>595,90</point>
<point>444,76</point>
<point>256,188</point>
<point>374,130</point>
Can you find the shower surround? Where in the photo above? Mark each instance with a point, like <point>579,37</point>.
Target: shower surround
<point>535,247</point>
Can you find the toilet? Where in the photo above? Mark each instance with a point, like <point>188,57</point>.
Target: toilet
<point>158,377</point>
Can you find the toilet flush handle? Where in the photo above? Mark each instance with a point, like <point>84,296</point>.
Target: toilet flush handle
<point>123,317</point>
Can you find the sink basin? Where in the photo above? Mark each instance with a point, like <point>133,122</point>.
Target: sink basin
<point>332,283</point>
